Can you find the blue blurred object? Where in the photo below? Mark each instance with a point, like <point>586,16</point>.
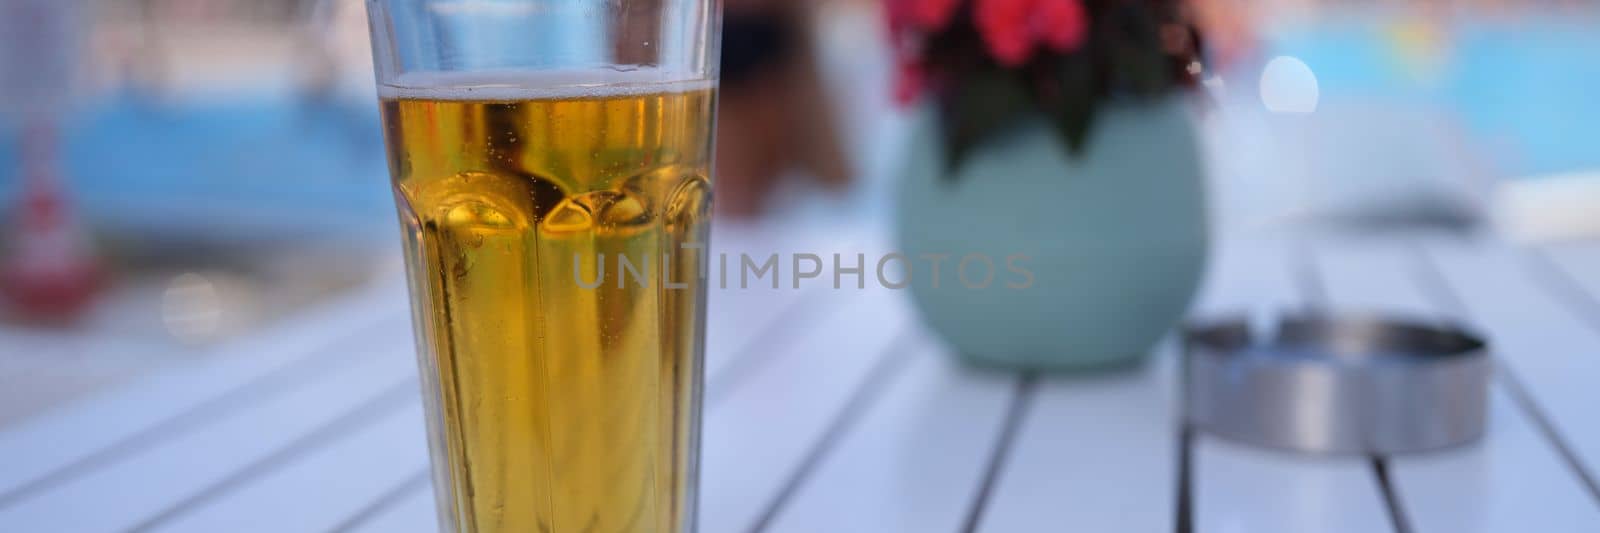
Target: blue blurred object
<point>1524,85</point>
<point>226,171</point>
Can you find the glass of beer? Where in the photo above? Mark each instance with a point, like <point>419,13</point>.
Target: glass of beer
<point>550,162</point>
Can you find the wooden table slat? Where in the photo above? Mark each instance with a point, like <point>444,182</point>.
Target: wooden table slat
<point>1098,452</point>
<point>59,439</point>
<point>1577,264</point>
<point>743,315</point>
<point>769,422</point>
<point>135,487</point>
<point>1243,488</point>
<point>913,463</point>
<point>413,513</point>
<point>320,488</point>
<point>1549,350</point>
<point>1513,480</point>
<point>1238,488</point>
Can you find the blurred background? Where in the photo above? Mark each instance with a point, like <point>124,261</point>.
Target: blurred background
<point>176,174</point>
<point>184,171</point>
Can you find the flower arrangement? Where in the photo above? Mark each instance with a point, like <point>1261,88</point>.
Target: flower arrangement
<point>989,62</point>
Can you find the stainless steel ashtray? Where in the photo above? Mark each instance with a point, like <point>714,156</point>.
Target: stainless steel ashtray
<point>1357,384</point>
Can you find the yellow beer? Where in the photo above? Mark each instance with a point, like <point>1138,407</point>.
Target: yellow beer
<point>562,389</point>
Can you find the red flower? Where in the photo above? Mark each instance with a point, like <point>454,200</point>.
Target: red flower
<point>934,15</point>
<point>1010,29</point>
<point>909,21</point>
<point>898,15</point>
<point>1004,26</point>
<point>927,15</point>
<point>1061,24</point>
<point>1013,28</point>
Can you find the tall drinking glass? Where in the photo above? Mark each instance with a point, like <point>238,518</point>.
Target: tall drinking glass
<point>550,160</point>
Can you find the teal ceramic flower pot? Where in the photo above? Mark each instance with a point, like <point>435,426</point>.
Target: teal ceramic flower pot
<point>1094,255</point>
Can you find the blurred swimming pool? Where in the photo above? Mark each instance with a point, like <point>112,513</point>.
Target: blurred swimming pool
<point>1525,86</point>
<point>265,167</point>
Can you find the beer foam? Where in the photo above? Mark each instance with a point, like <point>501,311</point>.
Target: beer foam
<point>541,84</point>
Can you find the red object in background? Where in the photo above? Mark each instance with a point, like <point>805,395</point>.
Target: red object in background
<point>909,80</point>
<point>935,14</point>
<point>1061,24</point>
<point>50,273</point>
<point>1011,31</point>
<point>1005,26</point>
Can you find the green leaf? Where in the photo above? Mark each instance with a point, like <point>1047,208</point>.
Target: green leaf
<point>1143,71</point>
<point>1072,107</point>
<point>978,107</point>
<point>1139,66</point>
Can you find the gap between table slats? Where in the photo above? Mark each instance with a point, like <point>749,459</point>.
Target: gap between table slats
<point>1313,285</point>
<point>1448,491</point>
<point>368,412</point>
<point>62,444</point>
<point>1235,487</point>
<point>274,381</point>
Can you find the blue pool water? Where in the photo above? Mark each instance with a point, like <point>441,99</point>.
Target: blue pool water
<point>1529,88</point>
<point>264,167</point>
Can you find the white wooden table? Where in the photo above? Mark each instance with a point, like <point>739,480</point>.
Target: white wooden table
<point>831,411</point>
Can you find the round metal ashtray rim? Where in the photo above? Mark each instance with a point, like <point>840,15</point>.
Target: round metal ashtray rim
<point>1212,334</point>
<point>1237,349</point>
